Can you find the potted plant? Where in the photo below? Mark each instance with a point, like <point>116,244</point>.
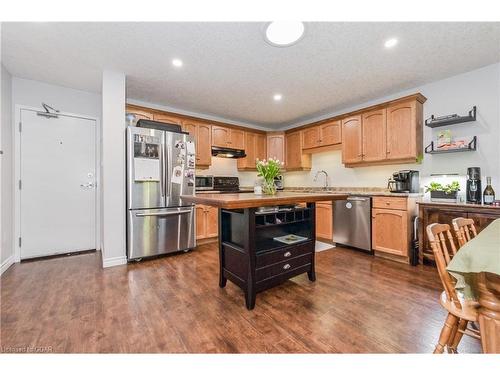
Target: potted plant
<point>439,191</point>
<point>268,170</point>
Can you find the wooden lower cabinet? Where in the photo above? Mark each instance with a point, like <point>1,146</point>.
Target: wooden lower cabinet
<point>207,224</point>
<point>324,220</point>
<point>390,231</point>
<point>432,212</point>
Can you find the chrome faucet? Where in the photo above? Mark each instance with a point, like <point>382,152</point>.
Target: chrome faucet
<point>326,178</point>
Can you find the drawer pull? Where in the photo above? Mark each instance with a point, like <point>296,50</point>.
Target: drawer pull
<point>286,266</point>
<point>287,254</point>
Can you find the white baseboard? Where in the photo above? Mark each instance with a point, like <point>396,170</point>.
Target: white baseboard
<point>6,264</point>
<point>111,262</point>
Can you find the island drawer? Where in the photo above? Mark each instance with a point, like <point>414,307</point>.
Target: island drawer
<point>395,203</point>
<point>282,267</point>
<point>270,257</point>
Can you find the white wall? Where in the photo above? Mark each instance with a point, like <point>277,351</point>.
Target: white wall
<point>7,213</point>
<point>456,94</point>
<point>113,169</point>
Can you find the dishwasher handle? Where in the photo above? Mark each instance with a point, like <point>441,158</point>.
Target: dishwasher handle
<point>358,199</point>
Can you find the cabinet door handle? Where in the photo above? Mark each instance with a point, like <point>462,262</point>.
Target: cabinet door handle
<point>287,254</point>
<point>286,266</point>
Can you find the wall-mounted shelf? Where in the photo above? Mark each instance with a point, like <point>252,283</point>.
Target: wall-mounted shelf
<point>436,122</point>
<point>471,146</point>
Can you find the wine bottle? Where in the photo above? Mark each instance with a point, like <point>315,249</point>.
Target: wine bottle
<point>489,193</point>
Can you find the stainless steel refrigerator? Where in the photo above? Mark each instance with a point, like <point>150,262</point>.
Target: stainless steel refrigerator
<point>160,168</point>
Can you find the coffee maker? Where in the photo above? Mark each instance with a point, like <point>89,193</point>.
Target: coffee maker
<point>405,181</point>
<point>473,189</point>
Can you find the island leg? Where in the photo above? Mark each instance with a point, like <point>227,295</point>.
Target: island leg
<point>222,278</point>
<point>311,274</point>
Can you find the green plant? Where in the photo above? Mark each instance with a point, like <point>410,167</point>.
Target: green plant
<point>448,188</point>
<point>269,169</point>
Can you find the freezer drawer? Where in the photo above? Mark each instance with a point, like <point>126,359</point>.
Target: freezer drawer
<point>160,231</point>
<point>352,222</point>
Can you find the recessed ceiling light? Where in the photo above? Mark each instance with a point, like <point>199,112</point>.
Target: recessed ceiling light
<point>277,97</point>
<point>284,33</point>
<point>389,43</point>
<point>177,63</point>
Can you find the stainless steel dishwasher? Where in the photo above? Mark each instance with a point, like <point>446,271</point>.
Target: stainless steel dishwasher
<point>352,222</point>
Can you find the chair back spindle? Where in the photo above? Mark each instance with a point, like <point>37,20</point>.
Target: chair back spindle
<point>464,229</point>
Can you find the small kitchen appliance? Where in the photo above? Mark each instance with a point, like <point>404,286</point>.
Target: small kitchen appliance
<point>278,181</point>
<point>405,181</point>
<point>473,187</point>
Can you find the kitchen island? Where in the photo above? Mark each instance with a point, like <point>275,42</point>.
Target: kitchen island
<point>249,254</point>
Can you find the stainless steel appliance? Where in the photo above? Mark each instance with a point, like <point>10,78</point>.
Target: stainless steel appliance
<point>278,181</point>
<point>353,222</point>
<point>160,168</point>
<point>473,187</point>
<point>224,152</point>
<point>204,183</point>
<point>406,181</point>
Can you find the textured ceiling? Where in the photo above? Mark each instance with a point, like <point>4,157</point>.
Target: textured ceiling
<point>231,72</point>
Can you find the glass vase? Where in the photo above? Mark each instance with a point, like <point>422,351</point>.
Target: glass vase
<point>268,187</point>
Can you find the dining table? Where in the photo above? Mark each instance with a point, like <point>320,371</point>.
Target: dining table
<point>476,267</point>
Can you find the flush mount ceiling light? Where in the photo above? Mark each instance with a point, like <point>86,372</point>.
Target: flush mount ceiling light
<point>177,63</point>
<point>277,97</point>
<point>284,33</point>
<point>389,43</point>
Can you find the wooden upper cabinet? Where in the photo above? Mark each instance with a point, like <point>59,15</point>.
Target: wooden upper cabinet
<point>139,113</point>
<point>404,130</point>
<point>295,159</point>
<point>202,135</point>
<point>311,137</point>
<point>276,146</point>
<point>237,139</point>
<point>374,135</point>
<point>352,145</point>
<point>255,148</point>
<point>203,145</point>
<point>220,136</point>
<point>261,146</point>
<point>167,118</point>
<point>330,133</point>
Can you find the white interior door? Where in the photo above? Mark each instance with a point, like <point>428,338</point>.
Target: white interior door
<point>58,194</point>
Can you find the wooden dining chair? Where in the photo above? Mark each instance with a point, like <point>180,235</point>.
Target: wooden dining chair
<point>464,230</point>
<point>460,311</point>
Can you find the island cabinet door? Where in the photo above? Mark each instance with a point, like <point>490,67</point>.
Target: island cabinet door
<point>401,131</point>
<point>220,136</point>
<point>324,220</point>
<point>212,220</point>
<point>390,231</point>
<point>374,135</point>
<point>311,137</point>
<point>331,133</point>
<point>201,224</point>
<point>352,147</point>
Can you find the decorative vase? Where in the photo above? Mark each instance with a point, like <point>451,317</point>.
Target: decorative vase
<point>268,187</point>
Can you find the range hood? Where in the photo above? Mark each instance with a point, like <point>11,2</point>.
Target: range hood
<point>223,152</point>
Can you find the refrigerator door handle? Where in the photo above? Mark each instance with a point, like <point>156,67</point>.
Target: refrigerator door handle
<point>162,170</point>
<point>167,167</point>
<point>164,213</point>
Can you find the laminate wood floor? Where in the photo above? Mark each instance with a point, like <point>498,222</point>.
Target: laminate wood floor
<point>359,304</point>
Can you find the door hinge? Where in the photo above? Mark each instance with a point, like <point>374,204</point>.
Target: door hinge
<point>20,126</point>
<point>19,241</point>
<point>20,184</point>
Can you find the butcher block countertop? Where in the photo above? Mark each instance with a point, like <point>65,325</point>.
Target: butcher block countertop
<point>461,205</point>
<point>247,200</point>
